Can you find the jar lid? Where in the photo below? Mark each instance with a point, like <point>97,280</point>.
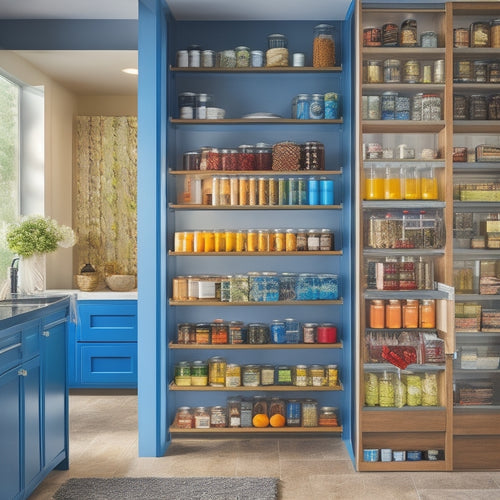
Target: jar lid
<point>187,408</point>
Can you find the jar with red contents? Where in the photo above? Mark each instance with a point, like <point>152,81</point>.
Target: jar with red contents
<point>326,333</point>
<point>246,157</point>
<point>229,159</point>
<point>184,418</point>
<point>214,159</point>
<point>263,156</point>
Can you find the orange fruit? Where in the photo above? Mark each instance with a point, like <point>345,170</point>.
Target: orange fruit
<point>277,420</point>
<point>260,420</point>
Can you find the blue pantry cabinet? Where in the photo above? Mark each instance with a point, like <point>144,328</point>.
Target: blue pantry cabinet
<point>102,351</point>
<point>33,392</point>
<point>160,214</point>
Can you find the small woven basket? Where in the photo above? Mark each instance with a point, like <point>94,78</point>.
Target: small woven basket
<point>87,282</point>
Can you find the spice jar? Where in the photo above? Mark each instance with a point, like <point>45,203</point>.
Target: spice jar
<point>377,314</point>
<point>300,376</point>
<point>184,418</point>
<point>393,313</point>
<point>309,413</point>
<point>326,240</point>
<point>323,46</point>
<point>217,371</point>
<point>234,412</point>
<point>428,313</point>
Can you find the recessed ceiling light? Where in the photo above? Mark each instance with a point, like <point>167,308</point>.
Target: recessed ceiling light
<point>131,71</point>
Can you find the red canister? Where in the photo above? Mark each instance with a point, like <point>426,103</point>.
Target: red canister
<point>327,333</point>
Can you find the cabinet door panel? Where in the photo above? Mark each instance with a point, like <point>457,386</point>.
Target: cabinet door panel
<point>9,434</point>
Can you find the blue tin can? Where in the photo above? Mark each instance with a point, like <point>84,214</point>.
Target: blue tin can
<point>313,191</point>
<point>302,107</point>
<point>371,455</point>
<point>293,413</point>
<point>326,192</point>
<point>278,335</point>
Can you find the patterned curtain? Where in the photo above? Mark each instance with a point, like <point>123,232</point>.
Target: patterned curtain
<point>106,200</point>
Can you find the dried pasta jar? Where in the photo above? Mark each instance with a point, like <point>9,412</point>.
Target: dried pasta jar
<point>480,34</point>
<point>408,33</point>
<point>277,52</point>
<point>323,46</point>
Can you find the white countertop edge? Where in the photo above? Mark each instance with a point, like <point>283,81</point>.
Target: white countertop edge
<point>97,295</point>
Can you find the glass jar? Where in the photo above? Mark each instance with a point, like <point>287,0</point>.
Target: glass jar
<point>332,372</point>
<point>431,107</point>
<point>392,71</point>
<point>301,240</point>
<point>332,106</point>
<point>392,184</point>
<point>310,333</point>
<point>202,333</point>
<point>313,240</point>
<point>309,413</point>
<point>462,72</point>
<point>183,373</point>
<point>373,71</point>
<point>428,39</point>
<point>390,35</point>
<point>246,412</point>
<point>410,313</point>
<point>314,155</point>
<point>317,107</point>
<point>478,107</point>
<point>461,37</point>
<point>258,333</point>
<point>278,334</point>
<point>267,375</point>
<point>234,412</point>
<point>227,58</point>
<point>250,375</point>
<point>388,106</point>
<point>242,56</point>
<point>263,156</point>
<point>276,407</point>
<point>480,71</point>
<point>427,313</point>
<point>438,71</point>
<point>429,184</point>
<point>408,33</point>
<point>217,371</point>
<point>184,418</point>
<point>411,71</point>
<point>199,373</point>
<point>300,376</point>
<point>402,108</point>
<point>494,72</point>
<point>377,314</point>
<point>218,417</point>
<point>495,33</point>
<point>207,59</point>
<point>201,418</point>
<point>414,390</point>
<point>480,34</point>
<point>328,417</point>
<point>293,413</point>
<point>246,157</point>
<point>460,107</point>
<point>288,283</point>
<point>412,184</point>
<point>317,376</point>
<point>284,375</point>
<point>393,313</point>
<point>430,390</point>
<point>323,46</point>
<point>373,107</point>
<point>326,240</point>
<point>386,391</point>
<point>257,58</point>
<point>233,375</point>
<point>372,37</point>
<point>374,183</point>
<point>259,405</point>
<point>187,105</point>
<point>186,333</point>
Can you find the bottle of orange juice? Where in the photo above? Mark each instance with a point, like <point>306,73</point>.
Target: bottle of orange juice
<point>374,183</point>
<point>429,184</point>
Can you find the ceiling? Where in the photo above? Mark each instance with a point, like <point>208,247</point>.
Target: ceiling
<point>99,72</point>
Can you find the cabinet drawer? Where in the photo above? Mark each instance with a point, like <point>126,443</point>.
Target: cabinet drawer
<point>10,351</point>
<point>109,365</point>
<point>107,322</point>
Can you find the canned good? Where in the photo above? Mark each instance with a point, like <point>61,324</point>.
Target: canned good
<point>461,37</point>
<point>278,335</point>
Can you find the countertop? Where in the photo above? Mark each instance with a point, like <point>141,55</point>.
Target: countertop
<point>98,294</point>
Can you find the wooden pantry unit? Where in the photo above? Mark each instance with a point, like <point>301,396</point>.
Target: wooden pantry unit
<point>458,148</point>
<point>240,92</point>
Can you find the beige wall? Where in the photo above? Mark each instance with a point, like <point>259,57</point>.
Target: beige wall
<point>61,108</point>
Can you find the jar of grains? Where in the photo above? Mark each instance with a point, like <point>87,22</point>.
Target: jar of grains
<point>310,413</point>
<point>373,71</point>
<point>408,34</point>
<point>250,375</point>
<point>323,46</point>
<point>300,376</point>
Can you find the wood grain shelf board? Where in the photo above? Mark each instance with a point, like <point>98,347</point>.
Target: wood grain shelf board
<point>254,207</point>
<point>479,422</point>
<point>255,430</point>
<point>255,121</point>
<point>396,52</point>
<point>401,126</point>
<point>409,466</point>
<point>294,303</point>
<point>404,420</point>
<point>260,388</point>
<point>476,126</point>
<point>255,254</point>
<point>172,345</point>
<point>253,173</point>
<point>264,69</point>
<point>403,204</point>
<point>403,87</point>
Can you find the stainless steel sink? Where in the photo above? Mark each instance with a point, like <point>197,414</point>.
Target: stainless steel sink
<point>31,301</point>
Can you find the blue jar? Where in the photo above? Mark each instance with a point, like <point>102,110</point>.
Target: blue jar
<point>302,107</point>
<point>332,106</point>
<point>402,111</point>
<point>307,287</point>
<point>256,287</point>
<point>271,286</point>
<point>317,107</point>
<point>328,287</point>
<point>313,191</point>
<point>293,413</point>
<point>278,335</point>
<point>389,105</point>
<point>292,331</point>
<point>326,192</point>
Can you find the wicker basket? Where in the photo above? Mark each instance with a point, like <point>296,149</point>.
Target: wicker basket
<point>121,282</point>
<point>87,282</point>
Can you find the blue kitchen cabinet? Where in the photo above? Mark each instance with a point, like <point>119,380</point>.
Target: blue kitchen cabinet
<point>103,346</point>
<point>33,396</point>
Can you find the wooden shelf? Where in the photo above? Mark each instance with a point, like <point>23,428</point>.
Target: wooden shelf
<point>254,254</point>
<point>412,420</point>
<point>477,126</point>
<point>404,87</point>
<point>172,345</point>
<point>401,126</point>
<point>259,388</point>
<point>475,297</point>
<point>265,69</point>
<point>262,430</point>
<point>174,206</point>
<point>403,52</point>
<point>416,252</point>
<point>409,466</point>
<point>403,204</point>
<point>255,173</point>
<point>250,121</point>
<point>294,303</point>
<point>437,162</point>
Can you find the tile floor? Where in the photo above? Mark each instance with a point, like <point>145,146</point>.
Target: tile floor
<point>103,443</point>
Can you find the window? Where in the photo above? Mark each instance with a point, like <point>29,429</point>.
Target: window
<point>10,93</point>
